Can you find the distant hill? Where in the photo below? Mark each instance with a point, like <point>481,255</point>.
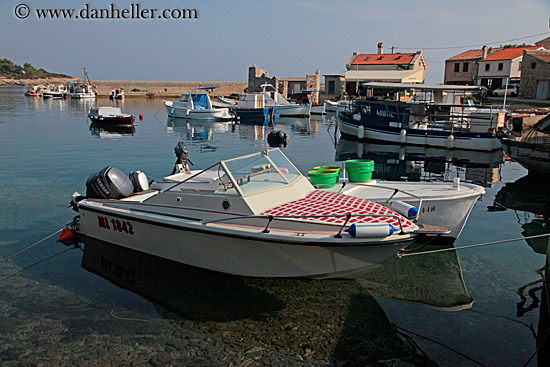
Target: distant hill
<point>10,70</point>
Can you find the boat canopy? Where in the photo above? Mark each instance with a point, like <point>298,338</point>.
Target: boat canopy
<point>200,100</point>
<point>244,175</point>
<point>426,87</point>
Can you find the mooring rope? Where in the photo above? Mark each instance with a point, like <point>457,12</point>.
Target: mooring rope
<point>31,246</point>
<point>476,245</point>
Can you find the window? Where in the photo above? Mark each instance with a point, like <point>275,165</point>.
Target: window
<point>457,67</point>
<point>465,67</point>
<point>519,68</point>
<point>487,67</point>
<point>500,66</point>
<point>533,65</point>
<point>331,87</point>
<point>367,58</point>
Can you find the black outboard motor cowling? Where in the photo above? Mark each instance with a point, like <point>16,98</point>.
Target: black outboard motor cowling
<point>182,158</point>
<point>109,183</point>
<point>277,139</point>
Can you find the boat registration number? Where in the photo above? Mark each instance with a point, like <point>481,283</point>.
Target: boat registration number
<point>429,209</point>
<point>115,224</point>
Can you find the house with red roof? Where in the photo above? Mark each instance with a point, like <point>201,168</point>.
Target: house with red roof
<point>535,72</point>
<point>499,67</point>
<point>462,69</point>
<point>381,67</point>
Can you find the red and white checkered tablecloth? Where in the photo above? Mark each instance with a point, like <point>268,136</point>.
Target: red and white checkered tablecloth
<point>320,202</point>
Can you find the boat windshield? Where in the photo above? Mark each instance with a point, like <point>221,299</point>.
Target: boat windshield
<point>244,176</point>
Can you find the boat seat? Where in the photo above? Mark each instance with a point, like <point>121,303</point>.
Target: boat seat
<point>321,202</point>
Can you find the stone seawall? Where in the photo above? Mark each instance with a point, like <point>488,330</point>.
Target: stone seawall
<point>164,88</point>
<point>151,89</point>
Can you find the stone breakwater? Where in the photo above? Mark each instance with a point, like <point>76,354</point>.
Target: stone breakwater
<point>151,89</point>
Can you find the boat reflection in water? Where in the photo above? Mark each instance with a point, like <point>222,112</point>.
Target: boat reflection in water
<point>433,279</point>
<point>529,197</point>
<point>111,131</point>
<point>199,132</point>
<point>301,125</point>
<point>398,162</point>
<point>273,320</point>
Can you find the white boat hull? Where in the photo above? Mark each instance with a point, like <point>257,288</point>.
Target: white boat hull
<point>217,114</point>
<point>443,204</point>
<point>419,137</point>
<point>318,110</point>
<point>302,110</point>
<point>256,255</point>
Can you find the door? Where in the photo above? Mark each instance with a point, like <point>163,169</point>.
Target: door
<point>542,89</point>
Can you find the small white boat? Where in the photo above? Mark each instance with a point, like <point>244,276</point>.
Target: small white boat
<point>284,107</point>
<point>254,215</point>
<point>81,91</point>
<point>55,91</point>
<point>196,106</point>
<point>110,116</point>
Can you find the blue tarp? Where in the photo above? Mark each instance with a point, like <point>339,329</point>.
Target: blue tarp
<point>200,100</point>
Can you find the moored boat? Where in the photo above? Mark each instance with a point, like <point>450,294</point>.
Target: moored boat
<point>254,215</point>
<point>55,91</point>
<point>196,106</point>
<point>110,116</point>
<point>433,123</point>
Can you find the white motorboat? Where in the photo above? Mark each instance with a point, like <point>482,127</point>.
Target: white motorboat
<point>284,107</point>
<point>196,106</point>
<point>254,215</point>
<point>331,106</point>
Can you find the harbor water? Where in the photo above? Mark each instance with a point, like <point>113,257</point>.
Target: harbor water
<point>98,304</point>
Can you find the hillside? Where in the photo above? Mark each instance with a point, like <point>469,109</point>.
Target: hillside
<point>13,71</point>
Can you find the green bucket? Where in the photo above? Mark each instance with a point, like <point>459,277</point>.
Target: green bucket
<point>330,168</point>
<point>325,178</point>
<point>359,170</point>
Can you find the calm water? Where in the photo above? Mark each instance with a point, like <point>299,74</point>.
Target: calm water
<point>79,306</point>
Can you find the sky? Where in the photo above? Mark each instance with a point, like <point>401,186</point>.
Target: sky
<point>287,38</point>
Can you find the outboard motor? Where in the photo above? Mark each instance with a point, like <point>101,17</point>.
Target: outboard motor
<point>277,139</point>
<point>182,157</point>
<point>109,183</point>
<point>139,180</point>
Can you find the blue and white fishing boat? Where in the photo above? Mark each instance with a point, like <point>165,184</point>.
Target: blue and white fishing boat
<point>441,120</point>
<point>197,106</point>
<point>254,106</point>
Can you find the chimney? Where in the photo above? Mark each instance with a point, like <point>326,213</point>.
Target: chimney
<point>484,50</point>
<point>380,48</point>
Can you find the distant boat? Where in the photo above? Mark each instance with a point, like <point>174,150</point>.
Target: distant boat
<point>35,91</point>
<point>196,106</point>
<point>533,150</point>
<point>253,106</point>
<point>116,94</point>
<point>443,121</point>
<point>284,107</point>
<point>81,90</point>
<point>110,116</point>
<point>55,91</point>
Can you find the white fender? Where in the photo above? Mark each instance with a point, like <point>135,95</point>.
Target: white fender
<point>406,210</point>
<point>360,132</point>
<point>370,230</point>
<point>450,142</point>
<point>403,136</point>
